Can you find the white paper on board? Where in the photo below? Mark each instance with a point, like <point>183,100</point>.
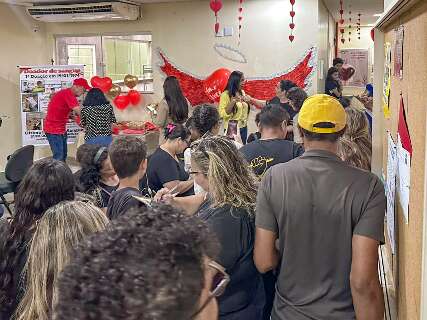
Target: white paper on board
<point>391,190</point>
<point>404,178</point>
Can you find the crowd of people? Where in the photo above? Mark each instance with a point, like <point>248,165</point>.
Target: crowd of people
<point>217,223</point>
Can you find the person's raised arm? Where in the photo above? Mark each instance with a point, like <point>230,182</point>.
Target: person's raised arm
<point>367,293</point>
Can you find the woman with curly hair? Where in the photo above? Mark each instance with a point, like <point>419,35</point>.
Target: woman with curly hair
<point>228,207</point>
<point>97,176</point>
<point>58,232</point>
<point>47,183</point>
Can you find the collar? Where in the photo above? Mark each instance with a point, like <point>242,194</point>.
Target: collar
<point>321,154</point>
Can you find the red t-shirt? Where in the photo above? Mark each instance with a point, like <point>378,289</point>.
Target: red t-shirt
<point>58,111</point>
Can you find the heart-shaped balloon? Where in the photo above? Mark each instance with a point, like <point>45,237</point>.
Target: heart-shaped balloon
<point>134,97</point>
<point>291,38</point>
<point>121,102</point>
<point>114,91</point>
<point>347,71</point>
<point>292,2</point>
<point>215,84</point>
<point>215,5</point>
<point>292,13</point>
<point>292,25</point>
<point>104,84</point>
<point>131,81</point>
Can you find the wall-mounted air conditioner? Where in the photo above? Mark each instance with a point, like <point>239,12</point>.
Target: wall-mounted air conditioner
<point>101,11</point>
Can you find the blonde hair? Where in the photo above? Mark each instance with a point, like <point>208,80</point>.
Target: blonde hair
<point>355,146</point>
<point>230,179</point>
<point>59,231</point>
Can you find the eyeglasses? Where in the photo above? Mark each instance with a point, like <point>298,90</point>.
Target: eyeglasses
<point>219,284</point>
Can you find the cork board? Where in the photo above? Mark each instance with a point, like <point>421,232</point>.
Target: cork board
<point>407,261</point>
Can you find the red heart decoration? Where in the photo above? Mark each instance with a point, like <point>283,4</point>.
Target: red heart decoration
<point>241,1</point>
<point>291,38</point>
<point>292,25</point>
<point>215,5</point>
<point>292,13</point>
<point>342,30</point>
<point>215,84</point>
<point>373,34</point>
<point>240,9</point>
<point>240,18</point>
<point>121,102</point>
<point>342,40</point>
<point>292,2</point>
<point>342,21</point>
<point>134,97</point>
<point>216,27</point>
<point>240,27</point>
<point>341,11</point>
<point>104,84</point>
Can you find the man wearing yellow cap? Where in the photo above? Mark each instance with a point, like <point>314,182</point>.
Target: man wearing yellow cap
<point>328,220</point>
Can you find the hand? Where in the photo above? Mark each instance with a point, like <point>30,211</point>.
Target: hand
<point>164,196</point>
<point>247,99</point>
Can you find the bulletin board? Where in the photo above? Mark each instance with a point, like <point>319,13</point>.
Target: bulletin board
<point>406,263</point>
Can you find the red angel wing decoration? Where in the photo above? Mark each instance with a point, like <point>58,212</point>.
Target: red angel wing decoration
<point>265,89</point>
<point>191,86</point>
<point>259,88</point>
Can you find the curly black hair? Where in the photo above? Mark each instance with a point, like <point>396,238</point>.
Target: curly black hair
<point>205,118</point>
<point>47,183</point>
<point>148,264</point>
<point>90,174</point>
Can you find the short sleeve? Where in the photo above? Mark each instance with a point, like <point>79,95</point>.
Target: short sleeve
<point>167,170</point>
<point>224,100</point>
<point>265,217</point>
<point>71,100</point>
<point>371,221</point>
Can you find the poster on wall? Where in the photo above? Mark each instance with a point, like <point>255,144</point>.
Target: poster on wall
<point>391,190</point>
<point>387,80</point>
<point>37,86</point>
<point>359,60</point>
<point>398,52</point>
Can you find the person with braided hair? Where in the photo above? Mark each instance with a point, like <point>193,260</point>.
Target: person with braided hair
<point>47,183</point>
<point>355,146</point>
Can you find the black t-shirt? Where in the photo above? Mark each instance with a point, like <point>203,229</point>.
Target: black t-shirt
<point>285,106</point>
<point>163,168</point>
<point>263,154</point>
<point>122,200</point>
<point>331,85</point>
<point>235,231</point>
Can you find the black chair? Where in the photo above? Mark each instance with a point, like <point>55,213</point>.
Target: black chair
<point>17,166</point>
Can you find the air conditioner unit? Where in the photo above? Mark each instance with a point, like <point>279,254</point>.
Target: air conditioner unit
<point>101,11</point>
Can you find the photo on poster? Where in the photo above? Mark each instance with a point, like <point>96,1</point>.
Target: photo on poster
<point>30,102</point>
<point>34,121</point>
<point>52,88</point>
<point>32,86</point>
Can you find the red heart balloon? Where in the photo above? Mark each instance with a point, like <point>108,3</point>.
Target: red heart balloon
<point>215,5</point>
<point>292,25</point>
<point>292,13</point>
<point>291,38</point>
<point>292,2</point>
<point>347,71</point>
<point>215,84</point>
<point>134,97</point>
<point>105,84</point>
<point>121,102</point>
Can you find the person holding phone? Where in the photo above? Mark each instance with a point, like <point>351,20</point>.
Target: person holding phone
<point>234,106</point>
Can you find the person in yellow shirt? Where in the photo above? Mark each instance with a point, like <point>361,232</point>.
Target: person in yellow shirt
<point>234,104</point>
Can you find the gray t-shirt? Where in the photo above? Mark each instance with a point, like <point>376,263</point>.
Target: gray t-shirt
<point>315,204</point>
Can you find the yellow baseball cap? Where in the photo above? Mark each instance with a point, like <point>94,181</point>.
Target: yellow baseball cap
<point>322,113</point>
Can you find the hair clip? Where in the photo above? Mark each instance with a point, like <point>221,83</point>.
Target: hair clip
<point>170,127</point>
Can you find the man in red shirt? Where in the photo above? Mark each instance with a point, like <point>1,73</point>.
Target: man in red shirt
<point>58,111</point>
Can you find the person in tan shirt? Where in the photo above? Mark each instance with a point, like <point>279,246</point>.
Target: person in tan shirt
<point>173,108</point>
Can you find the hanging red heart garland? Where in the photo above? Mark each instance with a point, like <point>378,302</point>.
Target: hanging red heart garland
<point>292,24</point>
<point>240,18</point>
<point>216,6</point>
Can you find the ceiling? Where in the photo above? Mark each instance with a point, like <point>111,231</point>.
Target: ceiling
<point>366,7</point>
<point>27,2</point>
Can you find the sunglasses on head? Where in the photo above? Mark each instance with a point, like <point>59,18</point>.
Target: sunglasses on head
<point>219,284</point>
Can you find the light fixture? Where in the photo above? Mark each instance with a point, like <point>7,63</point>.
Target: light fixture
<point>378,15</point>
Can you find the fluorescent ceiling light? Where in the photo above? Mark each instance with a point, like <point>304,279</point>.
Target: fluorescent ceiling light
<point>378,15</point>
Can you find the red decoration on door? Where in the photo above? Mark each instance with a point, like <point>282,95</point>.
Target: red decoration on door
<point>292,24</point>
<point>216,5</point>
<point>260,88</point>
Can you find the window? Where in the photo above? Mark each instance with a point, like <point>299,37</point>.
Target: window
<point>113,56</point>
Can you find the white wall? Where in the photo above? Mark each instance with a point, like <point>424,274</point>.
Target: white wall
<point>323,44</point>
<point>20,45</point>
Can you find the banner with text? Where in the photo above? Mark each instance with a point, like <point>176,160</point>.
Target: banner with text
<point>38,84</point>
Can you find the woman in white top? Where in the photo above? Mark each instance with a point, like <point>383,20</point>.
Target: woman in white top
<point>174,108</point>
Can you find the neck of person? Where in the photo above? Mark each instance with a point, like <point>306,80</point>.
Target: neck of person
<point>169,147</point>
<point>283,99</point>
<point>130,182</point>
<point>272,133</point>
<point>110,180</point>
<point>321,145</point>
